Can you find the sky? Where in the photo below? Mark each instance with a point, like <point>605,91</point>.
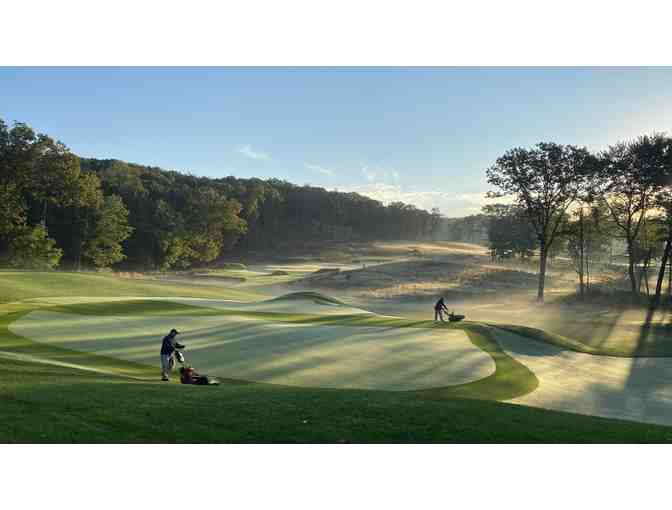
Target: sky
<point>423,136</point>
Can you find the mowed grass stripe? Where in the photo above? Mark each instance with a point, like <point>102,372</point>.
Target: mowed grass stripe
<point>23,346</point>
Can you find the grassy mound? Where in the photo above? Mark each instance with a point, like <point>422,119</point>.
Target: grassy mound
<point>655,342</point>
<point>550,338</point>
<point>308,295</point>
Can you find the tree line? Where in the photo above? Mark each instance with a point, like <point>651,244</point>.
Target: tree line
<point>59,209</point>
<point>566,198</point>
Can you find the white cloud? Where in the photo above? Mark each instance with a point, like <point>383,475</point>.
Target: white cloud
<point>377,174</point>
<point>320,169</point>
<point>247,151</point>
<point>450,204</point>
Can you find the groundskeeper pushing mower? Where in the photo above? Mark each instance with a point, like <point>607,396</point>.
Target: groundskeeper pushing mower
<point>168,351</point>
<point>441,307</point>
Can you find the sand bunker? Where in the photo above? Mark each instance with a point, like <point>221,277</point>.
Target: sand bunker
<point>638,389</point>
<point>258,350</point>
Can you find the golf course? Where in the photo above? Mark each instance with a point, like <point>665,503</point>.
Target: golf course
<point>297,363</point>
<point>332,316</point>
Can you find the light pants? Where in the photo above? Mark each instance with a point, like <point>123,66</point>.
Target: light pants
<point>438,314</point>
<point>167,364</point>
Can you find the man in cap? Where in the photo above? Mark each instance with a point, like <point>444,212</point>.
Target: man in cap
<point>167,349</point>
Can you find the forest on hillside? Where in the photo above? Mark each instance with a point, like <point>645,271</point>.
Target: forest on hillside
<point>60,210</point>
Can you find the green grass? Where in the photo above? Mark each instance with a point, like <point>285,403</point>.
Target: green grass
<point>50,404</point>
<point>511,379</point>
<point>21,285</point>
<point>45,402</point>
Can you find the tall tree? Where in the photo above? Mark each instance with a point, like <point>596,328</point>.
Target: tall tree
<point>632,173</point>
<point>509,232</point>
<point>31,248</point>
<point>55,176</point>
<point>104,248</point>
<point>214,222</point>
<point>544,181</point>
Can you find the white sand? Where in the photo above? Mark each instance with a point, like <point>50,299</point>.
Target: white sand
<point>258,350</point>
<point>638,389</point>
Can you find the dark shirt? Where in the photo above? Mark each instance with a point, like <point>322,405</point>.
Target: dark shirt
<point>440,305</point>
<point>169,344</point>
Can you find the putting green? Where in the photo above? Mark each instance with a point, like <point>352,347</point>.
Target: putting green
<point>239,347</point>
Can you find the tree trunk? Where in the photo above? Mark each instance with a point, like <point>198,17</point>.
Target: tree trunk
<point>587,260</point>
<point>581,285</point>
<point>661,272</point>
<point>611,251</point>
<point>644,273</point>
<point>669,279</point>
<point>631,267</point>
<point>44,214</point>
<point>582,258</point>
<point>543,255</point>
